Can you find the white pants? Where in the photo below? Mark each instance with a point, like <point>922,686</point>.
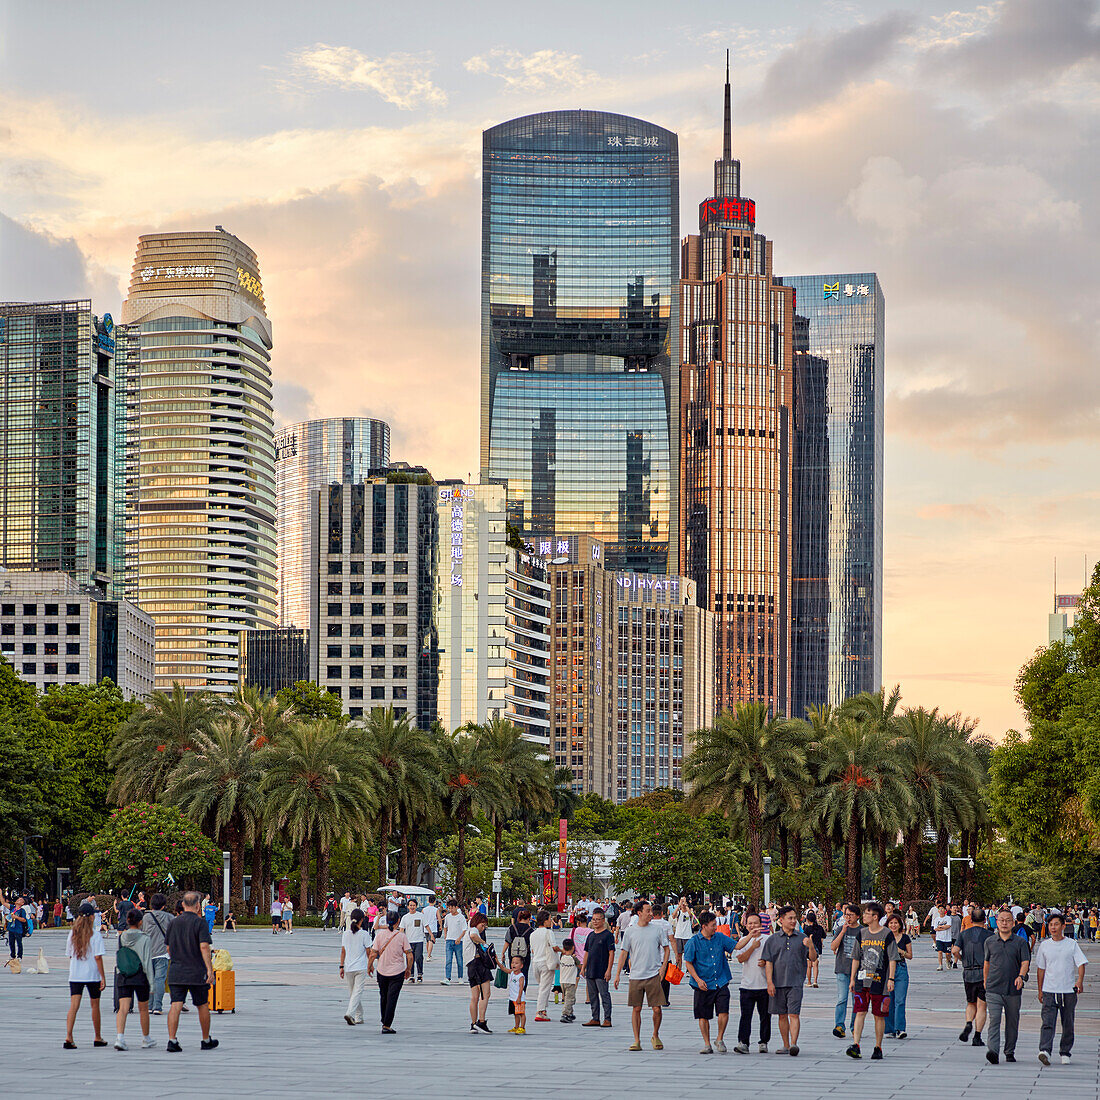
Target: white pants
<point>357,980</point>
<point>546,986</point>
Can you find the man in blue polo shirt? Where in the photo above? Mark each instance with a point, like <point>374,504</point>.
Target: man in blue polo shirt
<point>709,974</point>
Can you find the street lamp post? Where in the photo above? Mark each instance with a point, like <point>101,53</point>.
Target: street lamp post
<point>767,881</point>
<point>950,860</point>
<point>30,836</point>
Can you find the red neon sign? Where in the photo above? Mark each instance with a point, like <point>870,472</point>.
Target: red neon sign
<point>741,210</point>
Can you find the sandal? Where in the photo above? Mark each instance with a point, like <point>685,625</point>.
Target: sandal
<point>100,1043</point>
<point>69,1044</point>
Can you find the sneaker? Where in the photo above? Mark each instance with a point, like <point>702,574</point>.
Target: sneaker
<point>1044,1057</point>
<point>173,1047</point>
<point>940,967</point>
<point>349,1020</point>
<point>521,1031</point>
<point>853,1051</point>
<point>902,1035</point>
<point>389,1031</point>
<point>720,1046</point>
<point>120,1043</point>
<point>591,1023</point>
<point>1066,1059</point>
<point>794,1050</point>
<point>965,1033</point>
<point>208,1044</point>
<point>838,1031</point>
<point>977,1041</point>
<point>1010,1057</point>
<point>634,1046</point>
<point>474,1030</point>
<point>741,1048</point>
<point>782,1050</point>
<point>148,1042</point>
<point>890,1035</point>
<point>991,1057</point>
<point>707,1050</point>
<point>484,1027</point>
<point>762,1048</point>
<point>156,1012</point>
<point>876,1054</point>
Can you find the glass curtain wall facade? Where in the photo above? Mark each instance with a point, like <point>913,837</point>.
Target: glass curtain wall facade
<point>62,432</point>
<point>579,384</point>
<point>836,605</point>
<point>310,456</point>
<point>204,478</point>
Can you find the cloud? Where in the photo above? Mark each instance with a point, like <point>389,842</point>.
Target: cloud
<point>538,71</point>
<point>402,79</point>
<point>35,266</point>
<point>888,199</point>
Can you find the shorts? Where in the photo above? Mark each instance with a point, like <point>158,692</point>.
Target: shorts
<point>76,988</point>
<point>200,994</point>
<point>975,991</point>
<point>710,1001</point>
<point>641,990</point>
<point>787,1000</point>
<point>134,986</point>
<point>478,973</point>
<point>517,1008</point>
<point>275,921</point>
<point>878,1003</point>
<point>942,945</point>
<point>680,944</point>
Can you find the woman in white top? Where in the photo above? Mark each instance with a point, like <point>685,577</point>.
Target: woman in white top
<point>288,917</point>
<point>85,949</point>
<point>354,944</point>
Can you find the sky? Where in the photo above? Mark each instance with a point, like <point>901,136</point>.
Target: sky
<point>952,151</point>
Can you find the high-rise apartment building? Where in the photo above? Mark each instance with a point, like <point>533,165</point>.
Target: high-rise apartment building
<point>736,394</point>
<point>836,594</point>
<point>62,441</point>
<point>202,481</point>
<point>311,456</point>
<point>579,403</point>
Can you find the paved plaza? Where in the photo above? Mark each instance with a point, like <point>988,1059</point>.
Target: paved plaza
<point>289,1033</point>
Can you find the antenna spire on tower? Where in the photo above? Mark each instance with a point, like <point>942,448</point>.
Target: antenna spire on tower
<point>727,143</point>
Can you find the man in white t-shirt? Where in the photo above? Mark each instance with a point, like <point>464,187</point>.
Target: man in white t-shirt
<point>454,928</point>
<point>941,929</point>
<point>1060,964</point>
<point>754,986</point>
<point>413,925</point>
<point>431,923</point>
<point>347,906</point>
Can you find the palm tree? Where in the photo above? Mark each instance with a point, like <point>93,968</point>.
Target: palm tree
<point>737,762</point>
<point>148,746</point>
<point>564,799</point>
<point>218,786</point>
<point>405,756</point>
<point>471,783</point>
<point>320,787</point>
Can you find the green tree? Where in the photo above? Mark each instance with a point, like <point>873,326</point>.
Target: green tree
<point>307,701</point>
<point>736,763</point>
<point>148,845</point>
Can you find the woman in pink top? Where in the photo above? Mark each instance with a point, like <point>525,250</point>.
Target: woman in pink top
<point>393,954</point>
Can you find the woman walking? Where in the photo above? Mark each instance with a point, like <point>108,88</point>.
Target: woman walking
<point>354,945</point>
<point>85,949</point>
<point>683,924</point>
<point>134,965</point>
<point>479,971</point>
<point>811,928</point>
<point>895,1016</point>
<point>393,953</point>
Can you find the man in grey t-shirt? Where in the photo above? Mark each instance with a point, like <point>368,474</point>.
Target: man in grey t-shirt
<point>647,946</point>
<point>1007,959</point>
<point>845,942</point>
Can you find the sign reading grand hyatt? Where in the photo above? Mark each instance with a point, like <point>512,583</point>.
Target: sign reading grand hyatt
<point>727,210</point>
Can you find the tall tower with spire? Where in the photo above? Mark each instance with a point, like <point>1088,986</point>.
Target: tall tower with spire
<point>736,439</point>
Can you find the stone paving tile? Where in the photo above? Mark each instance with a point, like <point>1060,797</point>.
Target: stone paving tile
<point>288,1033</point>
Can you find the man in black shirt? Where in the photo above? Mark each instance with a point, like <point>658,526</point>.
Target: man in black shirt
<point>1007,959</point>
<point>971,950</point>
<point>190,970</point>
<point>599,955</point>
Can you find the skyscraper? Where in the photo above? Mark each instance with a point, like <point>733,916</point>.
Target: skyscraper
<point>735,387</point>
<point>62,437</point>
<point>311,456</point>
<point>578,315</point>
<point>836,605</point>
<point>203,479</point>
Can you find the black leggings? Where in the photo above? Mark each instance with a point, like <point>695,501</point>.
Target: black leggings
<point>389,989</point>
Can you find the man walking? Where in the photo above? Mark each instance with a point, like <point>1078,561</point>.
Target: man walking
<point>17,928</point>
<point>941,930</point>
<point>190,970</point>
<point>454,928</point>
<point>872,978</point>
<point>431,923</point>
<point>785,956</point>
<point>599,957</point>
<point>347,907</point>
<point>704,957</point>
<point>1007,959</point>
<point>155,925</point>
<point>647,948</point>
<point>1060,964</point>
<point>845,942</point>
<point>754,985</point>
<point>413,925</point>
<point>971,950</point>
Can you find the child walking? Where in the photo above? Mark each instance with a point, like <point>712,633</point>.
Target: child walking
<point>517,988</point>
<point>567,979</point>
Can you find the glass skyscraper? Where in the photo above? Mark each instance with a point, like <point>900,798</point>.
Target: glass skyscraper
<point>311,456</point>
<point>62,439</point>
<point>203,476</point>
<point>579,384</point>
<point>836,613</point>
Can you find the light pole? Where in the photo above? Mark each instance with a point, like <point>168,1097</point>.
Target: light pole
<point>950,860</point>
<point>30,836</point>
<point>767,881</point>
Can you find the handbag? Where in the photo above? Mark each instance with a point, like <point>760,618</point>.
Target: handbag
<point>501,979</point>
<point>674,974</point>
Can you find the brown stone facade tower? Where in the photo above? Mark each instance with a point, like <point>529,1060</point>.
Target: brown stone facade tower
<point>736,451</point>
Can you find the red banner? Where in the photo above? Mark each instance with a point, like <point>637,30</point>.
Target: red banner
<point>563,829</point>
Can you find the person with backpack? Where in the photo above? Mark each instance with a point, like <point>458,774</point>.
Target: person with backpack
<point>154,923</point>
<point>134,970</point>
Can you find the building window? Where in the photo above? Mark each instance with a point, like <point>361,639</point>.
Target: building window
<point>335,630</point>
<point>72,609</point>
<point>355,651</point>
<point>378,568</point>
<point>72,668</point>
<point>7,609</point>
<point>400,608</point>
<point>377,630</point>
<point>335,519</point>
<point>335,567</point>
<point>51,609</point>
<point>335,588</point>
<point>400,692</point>
<point>378,651</point>
<point>51,628</point>
<point>400,672</point>
<point>400,651</point>
<point>356,609</point>
<point>377,672</point>
<point>335,609</point>
<point>355,712</point>
<point>50,649</point>
<point>378,693</point>
<point>355,693</point>
<point>72,628</point>
<point>356,568</point>
<point>401,568</point>
<point>378,588</point>
<point>7,628</point>
<point>355,672</point>
<point>28,668</point>
<point>333,672</point>
<point>357,518</point>
<point>30,609</point>
<point>355,630</point>
<point>401,588</point>
<point>335,651</point>
<point>49,669</point>
<point>29,629</point>
<point>400,630</point>
<point>378,609</point>
<point>30,648</point>
<point>355,588</point>
<point>400,519</point>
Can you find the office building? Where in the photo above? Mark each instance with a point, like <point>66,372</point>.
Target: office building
<point>736,392</point>
<point>580,221</point>
<point>492,616</point>
<point>62,438</point>
<point>274,659</point>
<point>836,601</point>
<point>311,456</point>
<point>633,664</point>
<point>371,631</point>
<point>56,631</point>
<point>202,485</point>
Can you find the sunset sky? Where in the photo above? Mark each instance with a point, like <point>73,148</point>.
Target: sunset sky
<point>951,151</point>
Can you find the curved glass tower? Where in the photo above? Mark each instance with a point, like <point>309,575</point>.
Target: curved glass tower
<point>579,384</point>
<point>311,456</point>
<point>198,350</point>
